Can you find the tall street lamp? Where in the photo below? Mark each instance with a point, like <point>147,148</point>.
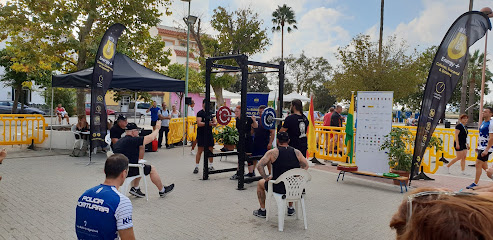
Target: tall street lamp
<point>190,21</point>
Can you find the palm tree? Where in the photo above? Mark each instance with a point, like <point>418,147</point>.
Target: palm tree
<point>475,67</point>
<point>283,15</point>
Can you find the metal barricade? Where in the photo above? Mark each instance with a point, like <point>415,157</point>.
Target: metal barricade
<point>22,129</point>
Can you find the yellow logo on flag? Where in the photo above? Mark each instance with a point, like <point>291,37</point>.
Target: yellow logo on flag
<point>458,46</point>
<point>109,49</point>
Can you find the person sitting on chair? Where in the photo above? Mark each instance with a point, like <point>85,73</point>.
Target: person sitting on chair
<point>132,146</point>
<point>282,158</point>
<point>82,126</point>
<point>61,114</point>
<point>118,129</point>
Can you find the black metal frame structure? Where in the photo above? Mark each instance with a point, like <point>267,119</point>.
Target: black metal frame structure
<point>243,63</point>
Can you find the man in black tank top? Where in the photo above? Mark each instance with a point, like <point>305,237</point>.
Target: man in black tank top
<point>282,158</point>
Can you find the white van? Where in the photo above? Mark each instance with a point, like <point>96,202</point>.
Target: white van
<point>141,108</point>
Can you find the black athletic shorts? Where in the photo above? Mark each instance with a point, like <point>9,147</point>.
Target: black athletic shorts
<point>153,123</point>
<point>203,142</point>
<point>462,146</point>
<point>133,171</point>
<point>481,158</point>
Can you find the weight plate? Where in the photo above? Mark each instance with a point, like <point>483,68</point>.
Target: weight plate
<point>223,115</point>
<point>267,118</point>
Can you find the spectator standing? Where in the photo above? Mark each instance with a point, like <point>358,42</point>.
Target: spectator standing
<point>154,109</point>
<point>191,112</point>
<point>328,136</point>
<point>327,116</point>
<point>164,115</point>
<point>336,121</point>
<point>296,126</point>
<point>250,124</point>
<point>102,212</point>
<point>174,112</point>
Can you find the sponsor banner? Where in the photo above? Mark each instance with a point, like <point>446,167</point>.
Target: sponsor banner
<point>254,100</point>
<point>445,72</point>
<point>101,79</point>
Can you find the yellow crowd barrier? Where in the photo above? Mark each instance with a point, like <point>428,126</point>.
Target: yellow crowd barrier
<point>176,129</point>
<point>22,129</point>
<point>331,146</point>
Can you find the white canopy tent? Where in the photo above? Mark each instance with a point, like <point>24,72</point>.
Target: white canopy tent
<point>289,97</point>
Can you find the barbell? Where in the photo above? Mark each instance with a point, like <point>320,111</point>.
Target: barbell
<point>268,117</point>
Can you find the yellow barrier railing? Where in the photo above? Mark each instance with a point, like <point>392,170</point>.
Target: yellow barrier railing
<point>22,129</point>
<point>176,129</point>
<point>330,142</point>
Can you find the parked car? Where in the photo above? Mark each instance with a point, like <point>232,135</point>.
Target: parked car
<point>6,108</point>
<point>316,114</point>
<point>88,110</point>
<point>141,108</point>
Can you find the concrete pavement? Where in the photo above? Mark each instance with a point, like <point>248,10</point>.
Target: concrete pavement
<point>38,195</point>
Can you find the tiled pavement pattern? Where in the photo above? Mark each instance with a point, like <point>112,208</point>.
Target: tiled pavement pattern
<point>38,197</point>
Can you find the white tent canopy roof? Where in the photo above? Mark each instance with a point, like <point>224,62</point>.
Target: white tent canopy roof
<point>289,97</point>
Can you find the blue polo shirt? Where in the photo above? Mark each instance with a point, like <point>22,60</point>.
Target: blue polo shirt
<point>154,111</point>
<point>102,211</point>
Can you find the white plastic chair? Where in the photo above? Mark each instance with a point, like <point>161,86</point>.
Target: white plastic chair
<point>125,188</point>
<point>79,141</point>
<point>295,180</point>
<point>107,139</point>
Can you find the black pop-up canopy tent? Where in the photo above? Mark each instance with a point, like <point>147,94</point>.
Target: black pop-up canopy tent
<point>127,75</point>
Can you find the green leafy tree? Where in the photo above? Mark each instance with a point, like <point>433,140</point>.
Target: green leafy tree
<point>359,69</point>
<point>305,74</point>
<point>18,75</point>
<point>195,79</point>
<point>240,32</point>
<point>70,31</point>
<point>256,82</point>
<point>283,16</point>
<point>64,96</point>
<point>322,100</point>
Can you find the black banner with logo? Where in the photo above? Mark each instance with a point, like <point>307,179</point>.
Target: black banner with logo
<point>101,79</point>
<point>445,71</point>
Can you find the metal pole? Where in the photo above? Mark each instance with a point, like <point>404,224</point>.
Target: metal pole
<point>135,109</point>
<point>51,117</point>
<point>482,81</point>
<point>186,73</point>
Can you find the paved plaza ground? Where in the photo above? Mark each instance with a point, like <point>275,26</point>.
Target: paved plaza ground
<point>39,191</point>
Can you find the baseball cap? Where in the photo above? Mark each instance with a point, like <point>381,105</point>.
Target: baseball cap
<point>121,117</point>
<point>132,126</point>
<point>283,136</point>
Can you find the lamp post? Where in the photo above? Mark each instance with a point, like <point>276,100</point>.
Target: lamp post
<point>189,20</point>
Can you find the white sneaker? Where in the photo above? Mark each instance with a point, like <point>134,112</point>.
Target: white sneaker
<point>466,174</point>
<point>192,153</point>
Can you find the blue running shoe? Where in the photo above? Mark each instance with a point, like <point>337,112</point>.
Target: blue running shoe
<point>471,186</point>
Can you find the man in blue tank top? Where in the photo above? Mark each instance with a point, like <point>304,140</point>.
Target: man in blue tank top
<point>102,212</point>
<point>283,158</point>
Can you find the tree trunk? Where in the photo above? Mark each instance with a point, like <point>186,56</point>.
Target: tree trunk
<point>18,90</point>
<point>219,95</point>
<point>465,80</point>
<point>472,95</point>
<point>81,62</point>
